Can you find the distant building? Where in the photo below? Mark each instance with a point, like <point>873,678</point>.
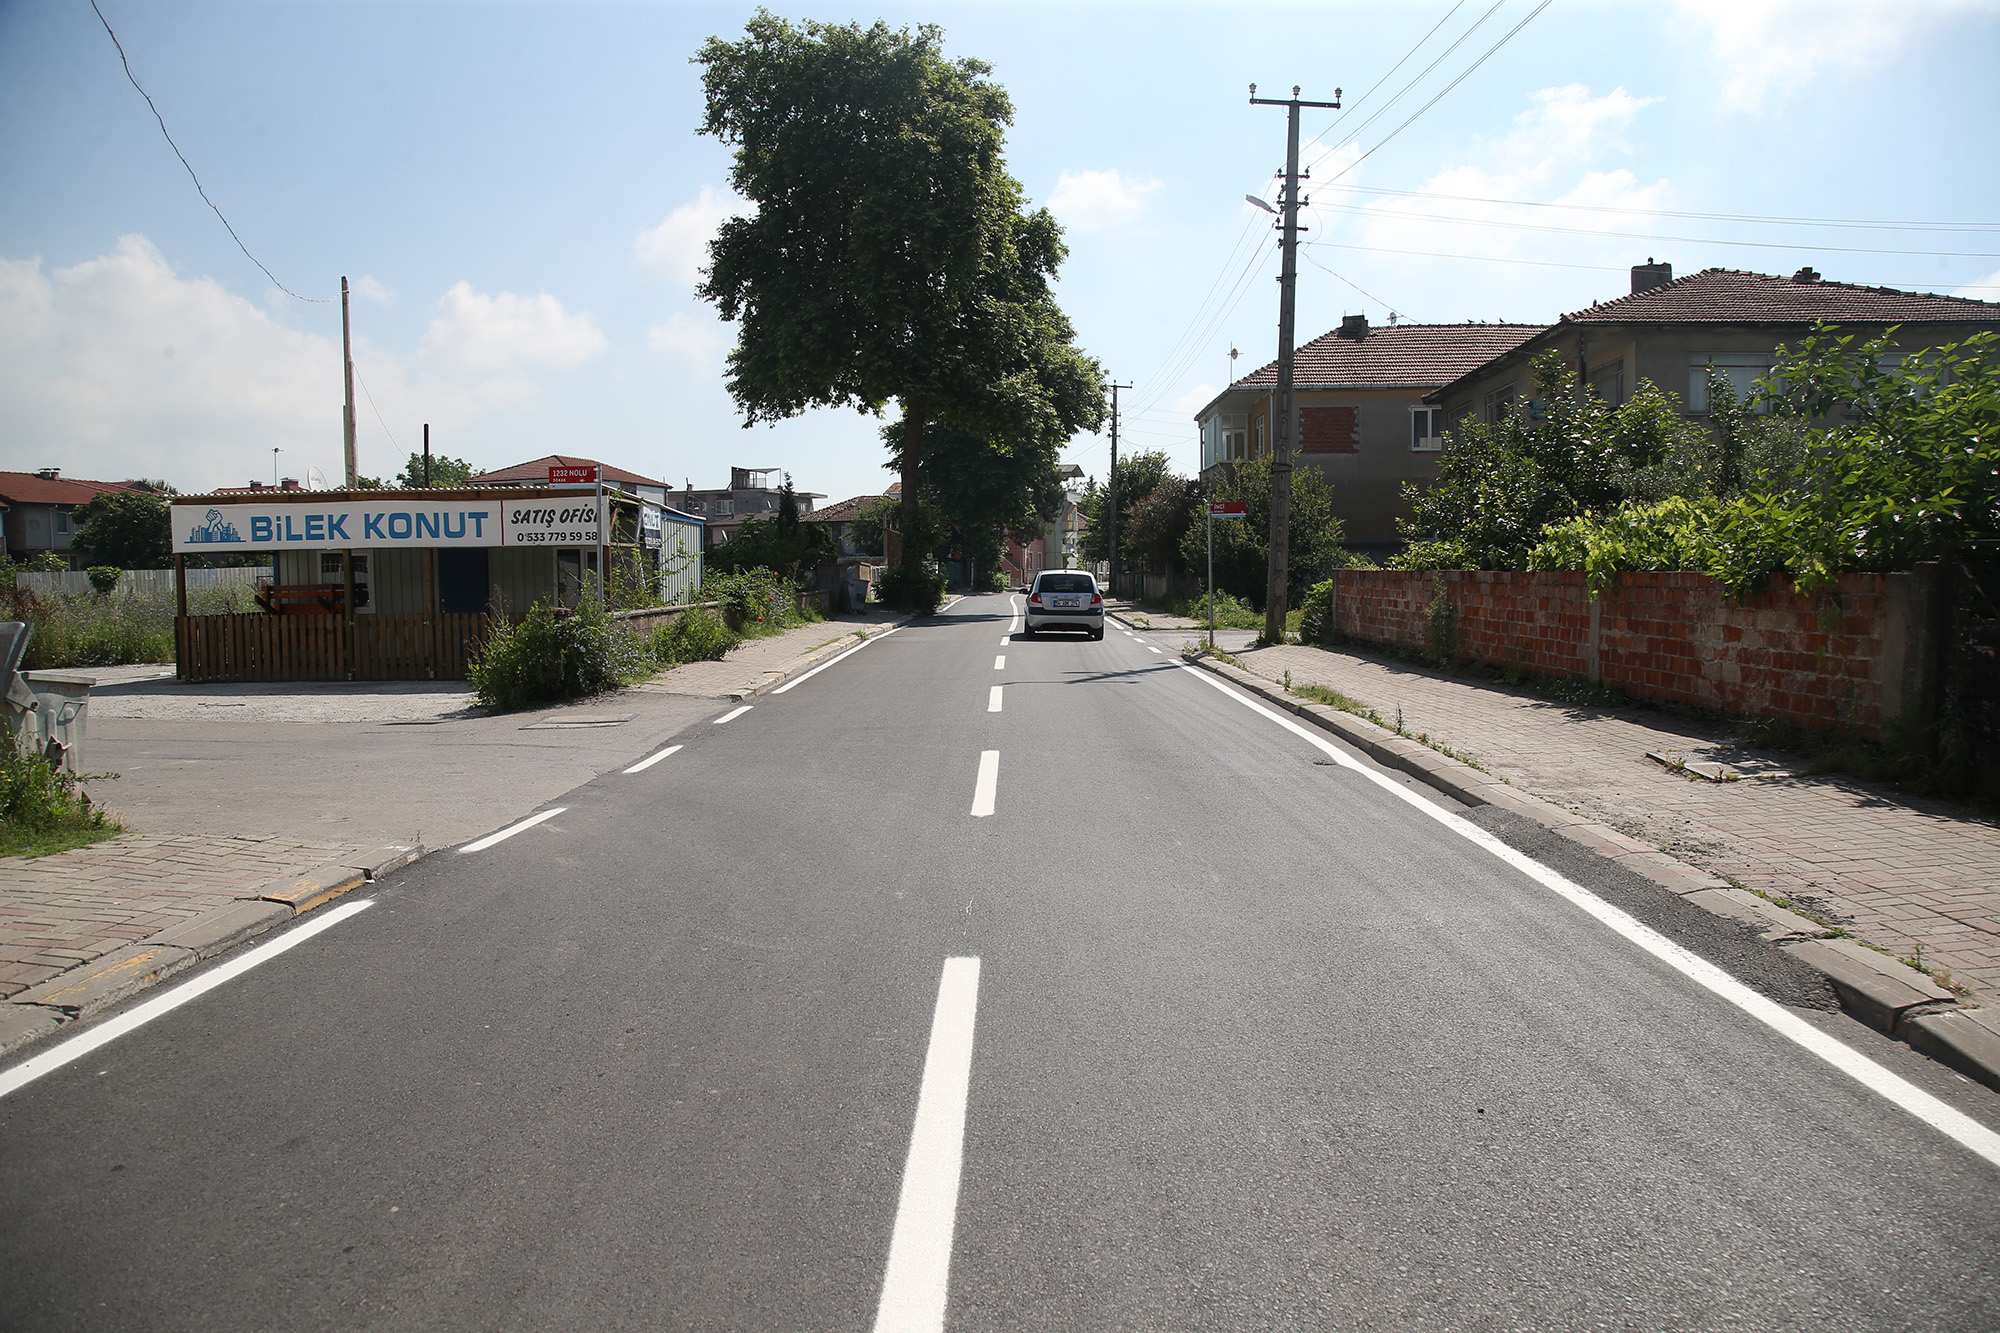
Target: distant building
<point>1360,414</point>
<point>752,492</point>
<point>536,473</point>
<point>38,508</point>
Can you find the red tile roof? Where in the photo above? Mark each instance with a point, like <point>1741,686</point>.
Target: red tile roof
<point>1394,356</point>
<point>840,513</point>
<point>1730,296</point>
<point>536,472</point>
<point>29,489</point>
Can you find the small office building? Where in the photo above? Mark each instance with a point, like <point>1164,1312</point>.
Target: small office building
<point>404,584</point>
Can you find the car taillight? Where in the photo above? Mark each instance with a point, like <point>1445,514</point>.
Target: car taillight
<point>1035,597</point>
<point>1096,599</point>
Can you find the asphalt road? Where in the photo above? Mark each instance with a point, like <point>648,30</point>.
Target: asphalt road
<point>1251,1043</point>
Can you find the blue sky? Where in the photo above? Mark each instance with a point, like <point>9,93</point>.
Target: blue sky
<point>519,197</point>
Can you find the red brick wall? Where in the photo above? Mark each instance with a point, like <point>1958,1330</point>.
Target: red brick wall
<point>1674,637</point>
<point>1329,430</point>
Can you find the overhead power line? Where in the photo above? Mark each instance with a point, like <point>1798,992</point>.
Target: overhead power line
<point>315,300</point>
<point>1415,79</point>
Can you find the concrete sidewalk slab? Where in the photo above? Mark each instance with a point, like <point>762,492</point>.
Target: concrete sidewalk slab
<point>123,972</point>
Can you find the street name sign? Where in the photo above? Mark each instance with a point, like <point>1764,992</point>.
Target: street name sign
<point>576,474</point>
<point>1228,508</point>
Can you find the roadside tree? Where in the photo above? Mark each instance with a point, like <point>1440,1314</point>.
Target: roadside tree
<point>128,529</point>
<point>889,256</point>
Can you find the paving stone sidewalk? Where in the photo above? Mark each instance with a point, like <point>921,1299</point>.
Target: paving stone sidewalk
<point>59,912</point>
<point>1899,872</point>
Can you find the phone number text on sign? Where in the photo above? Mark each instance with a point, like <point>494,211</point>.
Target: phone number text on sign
<point>550,525</point>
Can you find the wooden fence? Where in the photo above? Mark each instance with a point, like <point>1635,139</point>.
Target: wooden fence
<point>374,647</point>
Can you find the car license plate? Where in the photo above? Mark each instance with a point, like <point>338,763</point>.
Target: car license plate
<point>1065,601</point>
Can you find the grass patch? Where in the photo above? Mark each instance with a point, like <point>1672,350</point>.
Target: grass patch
<point>42,810</point>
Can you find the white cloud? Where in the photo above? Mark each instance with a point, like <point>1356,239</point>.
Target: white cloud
<point>1563,148</point>
<point>484,334</point>
<point>1769,49</point>
<point>677,249</point>
<point>120,367</point>
<point>1982,289</point>
<point>368,289</point>
<point>699,340</point>
<point>1091,201</point>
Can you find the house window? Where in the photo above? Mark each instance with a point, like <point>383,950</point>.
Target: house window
<point>62,520</point>
<point>1608,382</point>
<point>1263,445</point>
<point>723,508</point>
<point>329,572</point>
<point>1426,429</point>
<point>1497,400</point>
<point>1222,437</point>
<point>1744,369</point>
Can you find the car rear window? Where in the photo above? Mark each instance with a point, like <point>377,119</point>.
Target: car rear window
<point>1067,583</point>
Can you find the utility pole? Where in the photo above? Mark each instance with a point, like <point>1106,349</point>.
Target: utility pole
<point>347,366</point>
<point>1112,527</point>
<point>427,455</point>
<point>1281,429</point>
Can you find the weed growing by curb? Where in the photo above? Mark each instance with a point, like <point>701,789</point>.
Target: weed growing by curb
<point>42,810</point>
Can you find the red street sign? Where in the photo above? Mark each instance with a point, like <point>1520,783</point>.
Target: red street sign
<point>1228,508</point>
<point>583,475</point>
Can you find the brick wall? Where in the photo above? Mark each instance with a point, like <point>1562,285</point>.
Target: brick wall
<point>1329,430</point>
<point>1673,637</point>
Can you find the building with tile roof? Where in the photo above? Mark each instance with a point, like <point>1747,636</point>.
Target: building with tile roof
<point>1358,393</point>
<point>1670,330</point>
<point>37,509</point>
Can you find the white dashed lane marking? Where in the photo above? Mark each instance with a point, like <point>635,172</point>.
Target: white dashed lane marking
<point>511,830</point>
<point>645,764</point>
<point>1000,662</point>
<point>993,700</point>
<point>988,785</point>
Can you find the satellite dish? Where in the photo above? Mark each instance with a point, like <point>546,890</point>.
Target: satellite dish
<point>315,479</point>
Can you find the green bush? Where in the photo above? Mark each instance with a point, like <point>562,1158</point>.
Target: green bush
<point>756,602</point>
<point>1316,619</point>
<point>549,658</point>
<point>695,635</point>
<point>1231,612</point>
<point>103,578</point>
<point>41,809</point>
<point>916,587</point>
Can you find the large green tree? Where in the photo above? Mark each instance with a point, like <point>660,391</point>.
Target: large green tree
<point>445,472</point>
<point>890,256</point>
<point>978,493</point>
<point>1139,474</point>
<point>129,529</point>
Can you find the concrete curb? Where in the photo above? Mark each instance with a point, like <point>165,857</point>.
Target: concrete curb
<point>1873,987</point>
<point>42,1010</point>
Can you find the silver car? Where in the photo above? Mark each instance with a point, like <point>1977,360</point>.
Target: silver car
<point>1065,599</point>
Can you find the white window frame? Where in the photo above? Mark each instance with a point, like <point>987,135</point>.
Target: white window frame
<point>1699,362</point>
<point>1497,401</point>
<point>1431,441</point>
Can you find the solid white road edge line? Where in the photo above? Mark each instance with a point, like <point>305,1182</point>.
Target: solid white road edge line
<point>140,1014</point>
<point>645,764</point>
<point>732,714</point>
<point>507,833</point>
<point>800,680</point>
<point>988,785</point>
<point>1939,1115</point>
<point>993,700</point>
<point>918,1279</point>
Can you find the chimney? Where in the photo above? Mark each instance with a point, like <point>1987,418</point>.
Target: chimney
<point>290,484</point>
<point>1353,327</point>
<point>1649,275</point>
<point>50,474</point>
<point>256,485</point>
<point>1806,274</point>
